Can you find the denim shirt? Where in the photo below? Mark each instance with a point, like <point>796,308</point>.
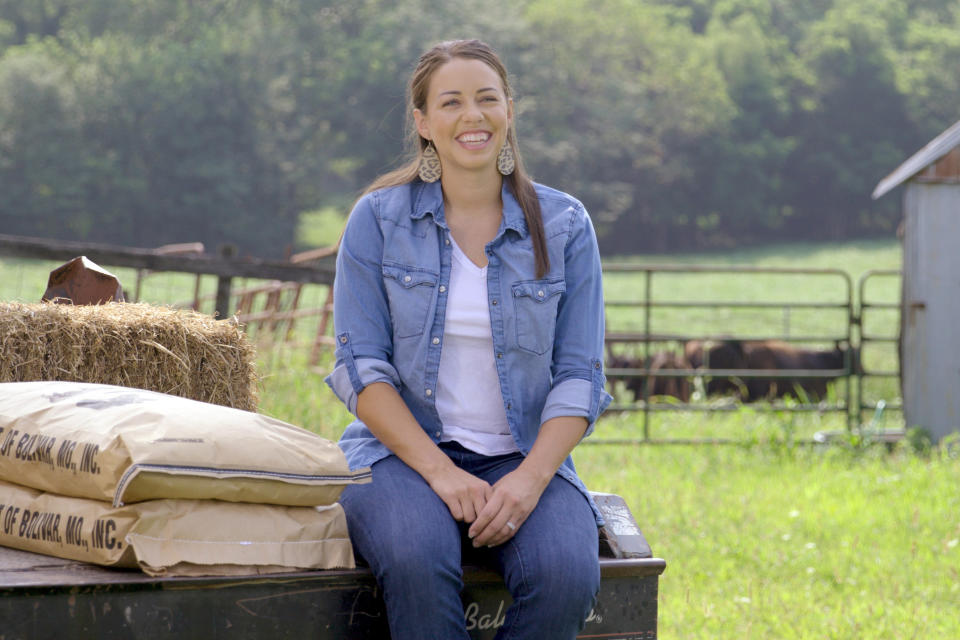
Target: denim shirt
<point>390,295</point>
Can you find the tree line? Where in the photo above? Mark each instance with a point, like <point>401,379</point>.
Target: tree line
<point>681,124</point>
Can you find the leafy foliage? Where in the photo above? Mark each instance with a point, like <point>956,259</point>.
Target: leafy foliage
<point>681,124</point>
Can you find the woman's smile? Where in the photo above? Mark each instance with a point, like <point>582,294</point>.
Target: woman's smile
<point>474,139</point>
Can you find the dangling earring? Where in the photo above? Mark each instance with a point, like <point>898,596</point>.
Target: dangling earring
<point>505,162</point>
<point>429,164</point>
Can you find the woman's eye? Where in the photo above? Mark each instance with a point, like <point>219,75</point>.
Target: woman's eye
<point>449,103</point>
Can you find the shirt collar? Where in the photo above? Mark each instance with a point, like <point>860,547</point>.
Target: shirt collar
<point>513,217</point>
<point>428,199</point>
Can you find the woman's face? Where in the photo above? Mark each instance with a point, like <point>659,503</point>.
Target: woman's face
<point>466,115</point>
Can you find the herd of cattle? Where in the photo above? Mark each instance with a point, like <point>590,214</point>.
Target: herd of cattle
<point>718,365</point>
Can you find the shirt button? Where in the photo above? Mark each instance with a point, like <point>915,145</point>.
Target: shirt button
<point>446,240</point>
<point>343,339</point>
<point>499,355</point>
<point>442,288</point>
<point>494,303</point>
<point>509,405</point>
<point>407,278</point>
<point>540,293</point>
<point>436,341</point>
<point>596,365</point>
<point>429,392</point>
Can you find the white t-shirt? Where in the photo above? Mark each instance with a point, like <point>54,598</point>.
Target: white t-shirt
<point>469,401</point>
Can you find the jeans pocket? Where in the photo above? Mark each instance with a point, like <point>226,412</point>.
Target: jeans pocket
<point>410,291</point>
<point>535,306</point>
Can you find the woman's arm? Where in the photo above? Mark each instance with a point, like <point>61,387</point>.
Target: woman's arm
<point>385,413</point>
<point>366,381</point>
<point>577,396</point>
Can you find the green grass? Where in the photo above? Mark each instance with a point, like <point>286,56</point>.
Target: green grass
<point>767,539</point>
<point>320,228</point>
<point>775,542</point>
<point>764,539</point>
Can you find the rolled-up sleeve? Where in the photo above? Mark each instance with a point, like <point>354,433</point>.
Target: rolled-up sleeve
<point>361,312</point>
<point>578,380</point>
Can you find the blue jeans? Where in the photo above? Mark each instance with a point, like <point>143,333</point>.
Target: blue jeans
<point>413,545</point>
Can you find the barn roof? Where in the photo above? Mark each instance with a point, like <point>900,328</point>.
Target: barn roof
<point>935,149</point>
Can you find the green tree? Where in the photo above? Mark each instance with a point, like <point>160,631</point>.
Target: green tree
<point>44,169</point>
<point>22,20</point>
<point>623,98</point>
<point>927,71</point>
<point>854,124</point>
<point>679,123</point>
<point>180,121</point>
<point>742,169</point>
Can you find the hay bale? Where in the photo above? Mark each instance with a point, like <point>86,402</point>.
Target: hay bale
<point>183,353</point>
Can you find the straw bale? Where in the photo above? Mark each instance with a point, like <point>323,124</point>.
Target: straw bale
<point>175,351</point>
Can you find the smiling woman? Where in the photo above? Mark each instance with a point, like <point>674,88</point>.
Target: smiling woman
<point>425,164</point>
<point>473,370</point>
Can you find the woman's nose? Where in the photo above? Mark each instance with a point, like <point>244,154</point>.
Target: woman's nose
<point>472,113</point>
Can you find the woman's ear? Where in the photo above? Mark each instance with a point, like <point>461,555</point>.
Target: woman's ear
<point>420,119</point>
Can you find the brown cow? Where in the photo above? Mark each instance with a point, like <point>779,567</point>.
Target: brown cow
<point>614,361</point>
<point>718,354</point>
<point>774,354</point>
<point>677,387</point>
<point>767,354</point>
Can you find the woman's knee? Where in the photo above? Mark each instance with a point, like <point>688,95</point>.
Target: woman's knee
<point>555,555</point>
<point>571,576</point>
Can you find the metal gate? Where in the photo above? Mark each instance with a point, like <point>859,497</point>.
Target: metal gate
<point>797,306</point>
<point>879,323</point>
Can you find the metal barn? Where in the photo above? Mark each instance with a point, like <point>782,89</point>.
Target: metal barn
<point>930,303</point>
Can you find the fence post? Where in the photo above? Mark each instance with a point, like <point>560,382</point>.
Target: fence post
<point>222,306</point>
<point>648,296</point>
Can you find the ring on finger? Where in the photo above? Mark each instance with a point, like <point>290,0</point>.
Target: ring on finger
<point>511,526</point>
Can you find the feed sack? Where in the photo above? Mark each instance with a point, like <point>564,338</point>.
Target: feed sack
<point>128,445</point>
<point>176,537</point>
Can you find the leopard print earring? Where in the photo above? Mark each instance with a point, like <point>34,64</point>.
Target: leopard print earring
<point>429,164</point>
<point>505,161</point>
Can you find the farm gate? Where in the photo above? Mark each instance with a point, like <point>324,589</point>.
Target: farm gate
<point>657,309</point>
<point>878,377</point>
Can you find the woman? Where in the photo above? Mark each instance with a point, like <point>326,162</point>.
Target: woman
<point>469,326</point>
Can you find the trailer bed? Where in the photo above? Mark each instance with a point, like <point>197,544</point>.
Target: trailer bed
<point>45,597</point>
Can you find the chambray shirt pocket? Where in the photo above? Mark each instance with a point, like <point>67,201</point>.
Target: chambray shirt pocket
<point>535,307</point>
<point>410,291</point>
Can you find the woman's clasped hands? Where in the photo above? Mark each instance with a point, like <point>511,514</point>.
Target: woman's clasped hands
<point>494,513</point>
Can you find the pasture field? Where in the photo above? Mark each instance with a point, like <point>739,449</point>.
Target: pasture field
<point>767,538</point>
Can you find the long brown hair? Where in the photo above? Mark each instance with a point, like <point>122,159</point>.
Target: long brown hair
<point>519,181</point>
